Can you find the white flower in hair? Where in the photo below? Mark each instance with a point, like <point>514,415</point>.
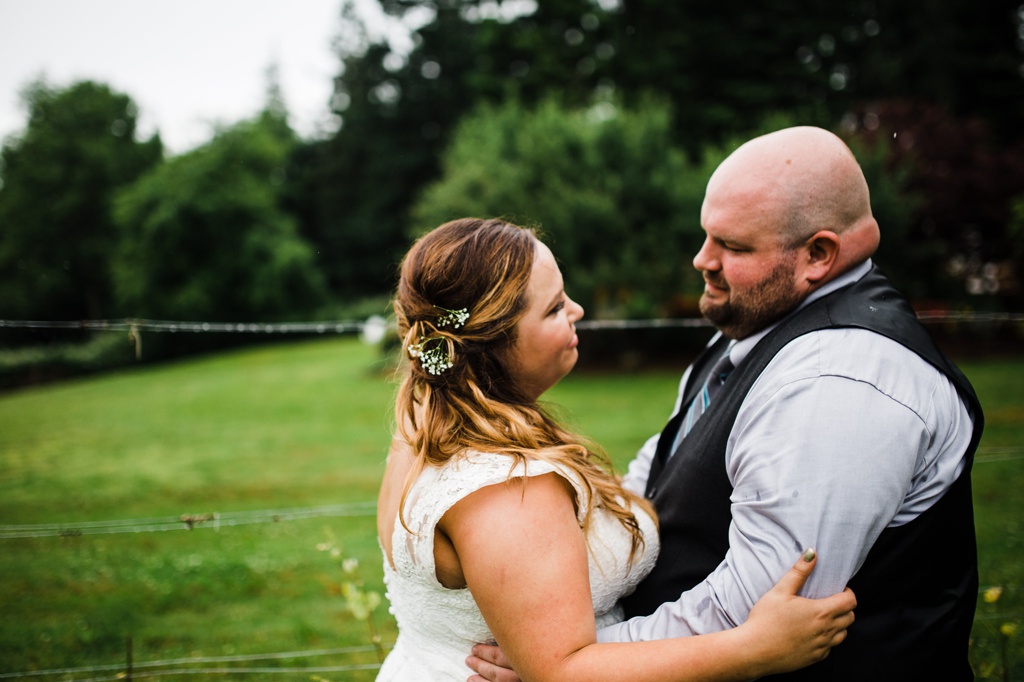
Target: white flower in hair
<point>456,318</point>
<point>434,357</point>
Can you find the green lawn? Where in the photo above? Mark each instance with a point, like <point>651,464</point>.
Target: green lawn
<point>301,425</point>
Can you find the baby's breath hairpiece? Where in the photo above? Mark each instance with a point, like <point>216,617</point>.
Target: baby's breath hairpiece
<point>433,351</point>
<point>456,318</point>
<point>432,354</point>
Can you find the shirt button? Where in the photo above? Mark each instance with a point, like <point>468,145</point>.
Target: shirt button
<point>652,493</point>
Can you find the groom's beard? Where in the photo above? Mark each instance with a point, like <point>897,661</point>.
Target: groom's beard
<point>748,311</point>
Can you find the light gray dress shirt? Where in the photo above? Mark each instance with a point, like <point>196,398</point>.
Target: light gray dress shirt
<point>844,434</point>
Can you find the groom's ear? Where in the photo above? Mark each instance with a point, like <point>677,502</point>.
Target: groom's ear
<point>818,257</point>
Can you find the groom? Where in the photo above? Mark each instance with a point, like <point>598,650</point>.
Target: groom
<point>838,425</point>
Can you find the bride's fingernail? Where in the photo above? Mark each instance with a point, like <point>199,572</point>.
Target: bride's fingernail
<point>809,555</point>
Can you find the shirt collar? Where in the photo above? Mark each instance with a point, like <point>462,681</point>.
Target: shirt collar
<point>738,350</point>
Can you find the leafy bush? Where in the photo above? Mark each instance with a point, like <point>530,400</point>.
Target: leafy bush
<point>609,191</point>
<point>204,237</point>
<point>34,364</point>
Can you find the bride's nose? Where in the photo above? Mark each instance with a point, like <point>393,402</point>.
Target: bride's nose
<point>575,311</point>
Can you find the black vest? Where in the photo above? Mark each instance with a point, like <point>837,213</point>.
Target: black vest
<point>917,590</point>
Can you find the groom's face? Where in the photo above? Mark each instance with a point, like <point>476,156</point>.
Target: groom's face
<point>749,273</point>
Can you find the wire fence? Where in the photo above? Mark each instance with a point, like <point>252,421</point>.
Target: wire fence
<point>377,322</point>
<point>129,324</point>
<point>213,520</point>
<point>376,327</point>
<point>218,520</point>
<point>177,666</point>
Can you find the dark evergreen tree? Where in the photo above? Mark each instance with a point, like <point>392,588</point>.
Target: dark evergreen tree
<point>57,181</point>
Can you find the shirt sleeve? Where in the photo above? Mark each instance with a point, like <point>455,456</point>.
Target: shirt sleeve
<point>818,457</point>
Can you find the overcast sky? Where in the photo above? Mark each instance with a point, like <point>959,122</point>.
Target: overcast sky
<point>187,64</point>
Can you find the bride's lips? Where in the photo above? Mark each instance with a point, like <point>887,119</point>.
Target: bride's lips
<point>574,342</point>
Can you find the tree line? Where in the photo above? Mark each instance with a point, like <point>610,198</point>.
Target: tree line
<point>598,121</point>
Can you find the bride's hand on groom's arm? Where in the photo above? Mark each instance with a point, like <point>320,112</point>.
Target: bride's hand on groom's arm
<point>790,631</point>
<point>490,665</point>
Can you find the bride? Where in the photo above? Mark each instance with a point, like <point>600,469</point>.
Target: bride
<point>498,524</point>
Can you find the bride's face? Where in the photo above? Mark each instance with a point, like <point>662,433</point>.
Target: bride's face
<point>545,346</point>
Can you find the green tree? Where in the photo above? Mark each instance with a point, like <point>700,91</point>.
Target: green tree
<point>398,110</point>
<point>204,236</point>
<point>616,201</point>
<point>57,181</point>
<point>721,66</point>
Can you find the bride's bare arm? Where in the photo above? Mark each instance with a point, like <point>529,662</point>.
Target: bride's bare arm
<point>524,559</point>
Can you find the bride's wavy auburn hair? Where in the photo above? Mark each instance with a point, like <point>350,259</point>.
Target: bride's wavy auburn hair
<point>484,266</point>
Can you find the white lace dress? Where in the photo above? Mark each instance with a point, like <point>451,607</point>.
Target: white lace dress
<point>438,626</point>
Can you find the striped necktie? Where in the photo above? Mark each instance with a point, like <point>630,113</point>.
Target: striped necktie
<point>716,377</point>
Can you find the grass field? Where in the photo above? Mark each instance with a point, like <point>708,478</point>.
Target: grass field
<point>301,425</point>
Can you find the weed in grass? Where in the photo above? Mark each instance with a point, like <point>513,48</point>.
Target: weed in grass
<point>360,601</point>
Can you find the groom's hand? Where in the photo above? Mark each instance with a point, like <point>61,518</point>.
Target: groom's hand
<point>490,665</point>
